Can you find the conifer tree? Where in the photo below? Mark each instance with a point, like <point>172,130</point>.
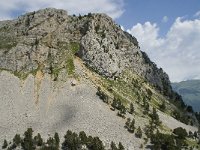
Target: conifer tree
<point>131,108</point>
<point>139,132</point>
<point>5,144</point>
<point>113,146</point>
<point>121,147</point>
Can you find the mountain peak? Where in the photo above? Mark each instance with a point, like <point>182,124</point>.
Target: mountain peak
<point>45,39</point>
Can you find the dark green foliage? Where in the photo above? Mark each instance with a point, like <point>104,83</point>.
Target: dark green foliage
<point>128,121</point>
<point>27,143</point>
<point>83,137</point>
<point>163,106</point>
<point>130,125</point>
<point>17,140</point>
<point>121,147</point>
<point>149,93</point>
<point>57,140</point>
<point>190,109</point>
<point>38,140</point>
<point>5,144</point>
<point>122,111</point>
<point>102,95</point>
<point>138,132</point>
<point>163,142</point>
<point>113,146</point>
<point>51,144</point>
<point>114,103</point>
<point>96,144</point>
<point>145,106</point>
<point>117,104</point>
<point>131,108</point>
<point>149,129</point>
<point>190,135</point>
<point>72,141</point>
<point>195,135</point>
<point>155,118</point>
<point>180,132</point>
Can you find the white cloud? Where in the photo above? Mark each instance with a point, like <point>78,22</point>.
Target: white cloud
<point>122,28</point>
<point>197,14</point>
<point>113,8</point>
<point>165,19</point>
<point>178,53</point>
<point>147,35</point>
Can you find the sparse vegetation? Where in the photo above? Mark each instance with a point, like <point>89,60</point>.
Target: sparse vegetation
<point>70,66</point>
<point>74,46</point>
<point>130,125</point>
<point>72,141</point>
<point>102,95</point>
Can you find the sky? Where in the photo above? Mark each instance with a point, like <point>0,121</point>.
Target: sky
<point>167,30</point>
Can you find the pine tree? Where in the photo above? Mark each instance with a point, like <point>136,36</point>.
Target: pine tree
<point>155,118</point>
<point>139,132</point>
<point>17,140</point>
<point>97,144</point>
<point>38,140</point>
<point>113,146</point>
<point>51,143</point>
<point>163,106</point>
<point>127,124</point>
<point>131,126</point>
<point>57,139</point>
<point>131,108</point>
<point>114,103</point>
<point>28,140</point>
<point>83,137</point>
<point>121,147</point>
<point>5,144</point>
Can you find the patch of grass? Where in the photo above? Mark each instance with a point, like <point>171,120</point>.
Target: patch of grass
<point>193,143</point>
<point>70,66</point>
<point>74,46</point>
<point>21,75</point>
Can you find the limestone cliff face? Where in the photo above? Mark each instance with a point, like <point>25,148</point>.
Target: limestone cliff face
<point>49,38</point>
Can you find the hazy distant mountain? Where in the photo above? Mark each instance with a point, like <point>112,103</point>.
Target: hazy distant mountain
<point>190,91</point>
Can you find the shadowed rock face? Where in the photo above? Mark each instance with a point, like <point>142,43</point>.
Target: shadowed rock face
<point>48,39</point>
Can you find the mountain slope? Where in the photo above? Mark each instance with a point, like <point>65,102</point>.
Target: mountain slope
<point>190,91</point>
<point>54,65</point>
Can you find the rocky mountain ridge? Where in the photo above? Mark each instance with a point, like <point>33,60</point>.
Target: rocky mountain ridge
<point>48,39</point>
<point>84,73</point>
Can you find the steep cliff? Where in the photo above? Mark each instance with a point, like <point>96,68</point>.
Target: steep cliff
<point>48,39</point>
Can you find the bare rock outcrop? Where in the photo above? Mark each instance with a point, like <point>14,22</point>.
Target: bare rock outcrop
<point>48,39</point>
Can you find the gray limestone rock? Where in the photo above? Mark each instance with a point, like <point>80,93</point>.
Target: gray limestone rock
<point>48,39</point>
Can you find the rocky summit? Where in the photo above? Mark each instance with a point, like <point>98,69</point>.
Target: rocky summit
<point>62,72</point>
<point>46,39</point>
